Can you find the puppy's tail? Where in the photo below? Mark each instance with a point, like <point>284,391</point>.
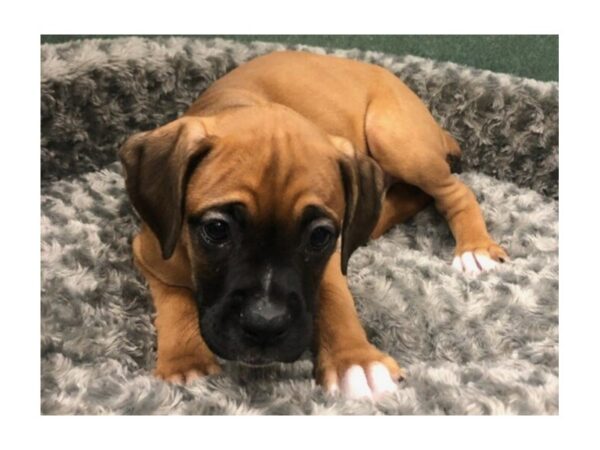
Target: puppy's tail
<point>453,152</point>
<point>450,144</point>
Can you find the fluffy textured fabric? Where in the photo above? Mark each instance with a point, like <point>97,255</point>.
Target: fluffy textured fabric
<point>471,345</point>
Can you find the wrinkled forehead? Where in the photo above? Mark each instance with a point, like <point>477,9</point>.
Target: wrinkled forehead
<point>272,181</point>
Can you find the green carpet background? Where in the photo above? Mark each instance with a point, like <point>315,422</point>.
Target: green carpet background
<point>530,56</point>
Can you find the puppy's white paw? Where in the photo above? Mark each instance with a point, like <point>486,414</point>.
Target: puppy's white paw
<point>358,372</point>
<point>371,383</point>
<point>473,262</point>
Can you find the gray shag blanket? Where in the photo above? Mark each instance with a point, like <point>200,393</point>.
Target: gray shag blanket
<point>471,345</point>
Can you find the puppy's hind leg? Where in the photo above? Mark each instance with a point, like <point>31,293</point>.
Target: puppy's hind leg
<point>401,202</point>
<point>416,153</point>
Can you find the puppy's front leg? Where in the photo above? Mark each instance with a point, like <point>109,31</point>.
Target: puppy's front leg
<point>182,353</point>
<point>345,360</point>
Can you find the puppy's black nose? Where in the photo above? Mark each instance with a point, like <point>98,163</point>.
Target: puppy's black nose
<point>265,320</point>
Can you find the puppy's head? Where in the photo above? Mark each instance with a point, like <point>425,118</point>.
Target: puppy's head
<point>260,198</point>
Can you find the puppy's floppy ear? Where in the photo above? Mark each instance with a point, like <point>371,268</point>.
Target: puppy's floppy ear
<point>158,165</point>
<point>363,183</point>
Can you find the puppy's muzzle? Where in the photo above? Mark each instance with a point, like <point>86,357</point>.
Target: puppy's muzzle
<point>265,321</point>
<point>253,326</point>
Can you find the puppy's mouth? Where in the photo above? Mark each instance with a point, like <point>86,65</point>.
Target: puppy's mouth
<point>227,339</point>
<point>258,364</point>
<point>258,357</point>
<point>251,363</point>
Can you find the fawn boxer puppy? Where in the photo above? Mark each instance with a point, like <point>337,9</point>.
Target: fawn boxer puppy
<point>254,200</point>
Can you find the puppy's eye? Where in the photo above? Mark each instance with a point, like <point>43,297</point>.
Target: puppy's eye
<point>215,231</point>
<point>320,237</point>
